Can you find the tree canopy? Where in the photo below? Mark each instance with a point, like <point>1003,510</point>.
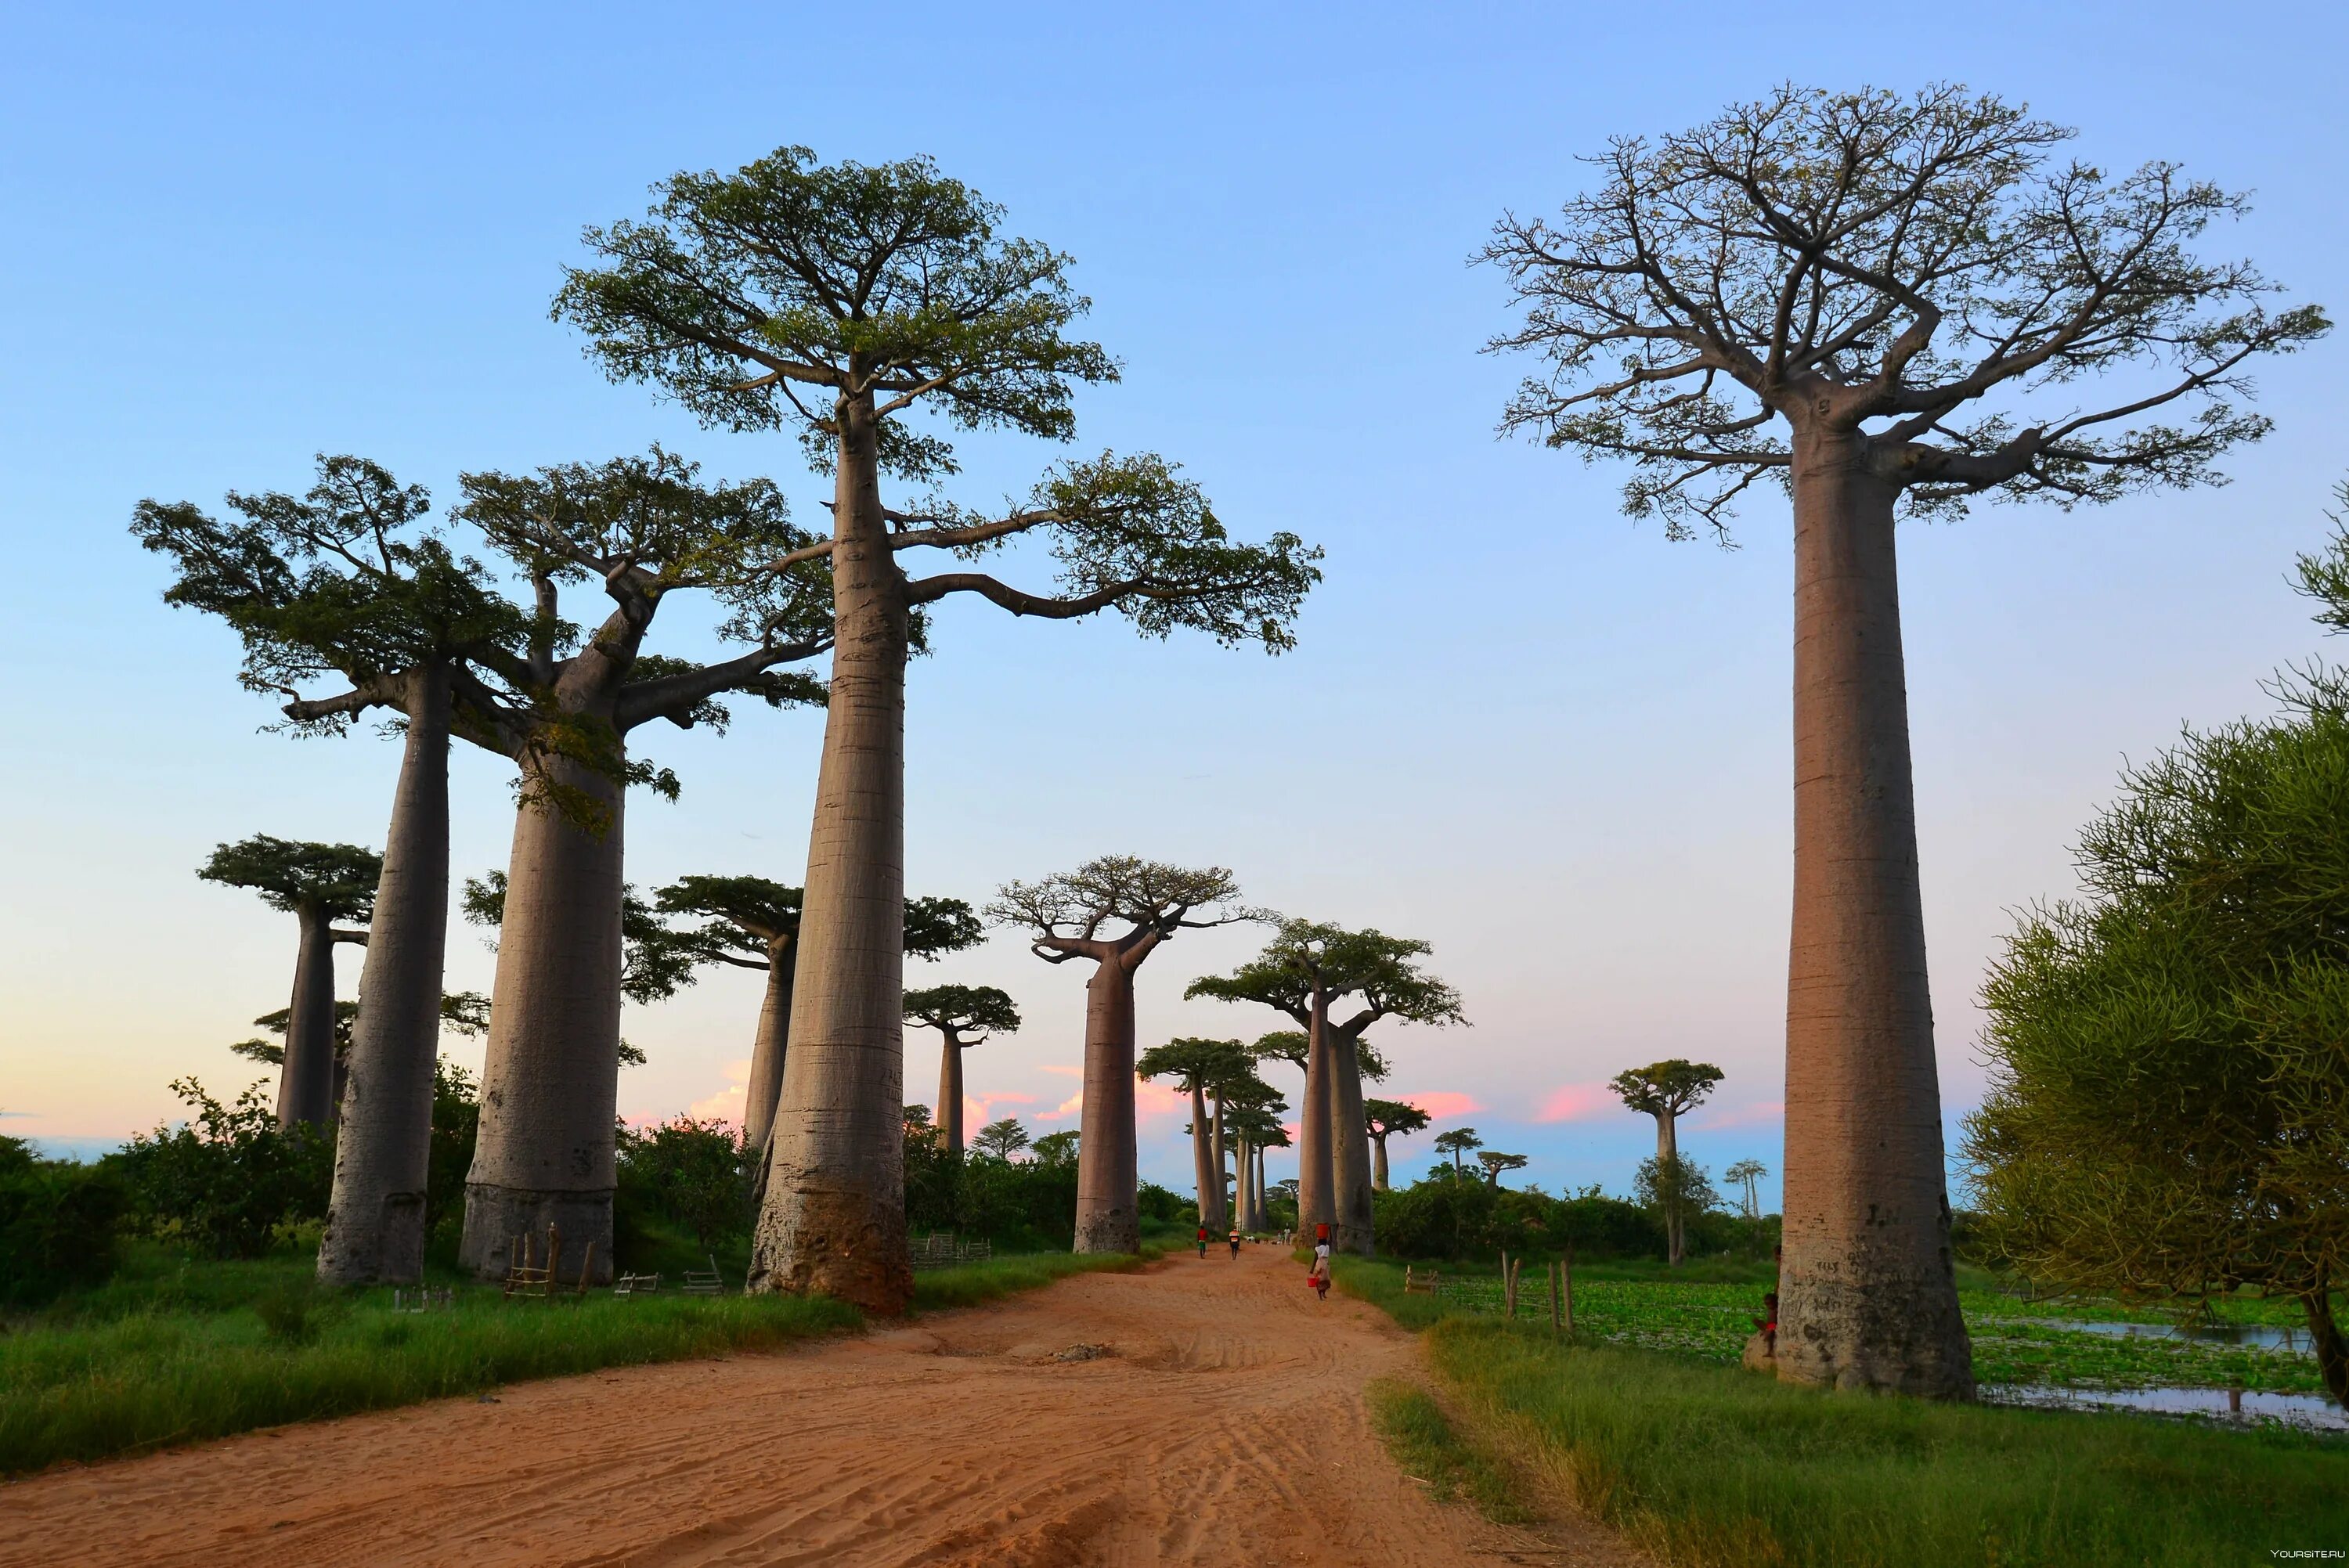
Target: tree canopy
<point>1382,970</point>
<point>1196,1064</point>
<point>1920,268</point>
<point>1494,1163</point>
<point>1065,911</point>
<point>744,916</point>
<point>335,881</point>
<point>1458,1142</point>
<point>1001,1138</point>
<point>1390,1118</point>
<point>968,1014</point>
<point>1667,1088</point>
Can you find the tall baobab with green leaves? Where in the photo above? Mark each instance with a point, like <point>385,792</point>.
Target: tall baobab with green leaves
<point>1667,1090</point>
<point>635,532</point>
<point>1255,1127</point>
<point>1747,1173</point>
<point>1876,304</point>
<point>1304,971</point>
<point>1389,1119</point>
<point>318,885</point>
<point>964,1017</point>
<point>343,582</point>
<point>842,303</point>
<point>1494,1163</point>
<point>1195,1065</point>
<point>1456,1143</point>
<point>1114,913</point>
<point>754,924</point>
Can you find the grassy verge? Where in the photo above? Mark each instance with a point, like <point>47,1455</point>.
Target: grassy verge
<point>176,1352</point>
<point>1709,1465</point>
<point>1421,1441</point>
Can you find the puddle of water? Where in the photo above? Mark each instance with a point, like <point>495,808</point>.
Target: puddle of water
<point>2256,1337</point>
<point>2314,1411</point>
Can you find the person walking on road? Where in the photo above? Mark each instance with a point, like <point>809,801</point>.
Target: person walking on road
<point>1203,1243</point>
<point>1320,1273</point>
<point>1235,1246</point>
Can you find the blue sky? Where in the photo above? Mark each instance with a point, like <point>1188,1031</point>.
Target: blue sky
<point>1519,725</point>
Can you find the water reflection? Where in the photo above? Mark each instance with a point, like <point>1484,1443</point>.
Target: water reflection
<point>2252,1336</point>
<point>2314,1411</point>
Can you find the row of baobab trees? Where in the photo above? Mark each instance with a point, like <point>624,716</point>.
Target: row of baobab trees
<point>1858,299</point>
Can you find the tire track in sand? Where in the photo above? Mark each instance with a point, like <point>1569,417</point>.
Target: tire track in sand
<point>1226,1426</point>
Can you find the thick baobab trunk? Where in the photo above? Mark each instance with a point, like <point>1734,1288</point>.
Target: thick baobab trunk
<point>1109,1216</point>
<point>767,1049</point>
<point>375,1220</point>
<point>1668,1153</point>
<point>833,1216</point>
<point>1349,1148</point>
<point>550,1084</point>
<point>1263,1196</point>
<point>950,1094</point>
<point>306,1082</point>
<point>1206,1171</point>
<point>1243,1186</point>
<point>1315,1201</point>
<point>1223,1218</point>
<point>1379,1164</point>
<point>1867,1292</point>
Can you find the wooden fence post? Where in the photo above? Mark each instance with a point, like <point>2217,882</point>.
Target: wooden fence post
<point>1565,1279</point>
<point>1552,1272</point>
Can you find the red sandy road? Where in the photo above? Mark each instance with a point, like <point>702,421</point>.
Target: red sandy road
<point>1226,1426</point>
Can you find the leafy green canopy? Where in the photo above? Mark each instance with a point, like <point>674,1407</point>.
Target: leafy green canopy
<point>1666,1089</point>
<point>1382,971</point>
<point>823,299</point>
<point>963,1011</point>
<point>2168,1103</point>
<point>1394,1117</point>
<point>1914,270</point>
<point>746,917</point>
<point>1001,1139</point>
<point>336,881</point>
<point>1196,1064</point>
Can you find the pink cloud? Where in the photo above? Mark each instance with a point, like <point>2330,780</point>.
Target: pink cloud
<point>1064,1071</point>
<point>1443,1103</point>
<point>1743,1116</point>
<point>978,1110</point>
<point>1067,1107</point>
<point>1149,1099</point>
<point>728,1103</point>
<point>1578,1102</point>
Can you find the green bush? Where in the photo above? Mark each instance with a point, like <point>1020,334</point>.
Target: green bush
<point>228,1178</point>
<point>60,1224</point>
<point>692,1173</point>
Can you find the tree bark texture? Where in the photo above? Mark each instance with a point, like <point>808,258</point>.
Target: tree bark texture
<point>1667,1148</point>
<point>550,1084</point>
<point>1244,1194</point>
<point>833,1217</point>
<point>1206,1171</point>
<point>767,1049</point>
<point>1379,1163</point>
<point>950,1093</point>
<point>375,1218</point>
<point>1349,1147</point>
<point>1868,1292</point>
<point>1216,1115</point>
<point>1316,1204</point>
<point>1109,1214</point>
<point>2332,1347</point>
<point>306,1082</point>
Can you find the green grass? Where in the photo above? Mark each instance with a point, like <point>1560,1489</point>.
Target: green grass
<point>1709,1465</point>
<point>1421,1439</point>
<point>175,1351</point>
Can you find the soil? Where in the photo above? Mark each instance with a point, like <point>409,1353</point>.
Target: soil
<point>1197,1412</point>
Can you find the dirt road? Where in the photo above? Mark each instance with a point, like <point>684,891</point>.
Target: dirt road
<point>1224,1423</point>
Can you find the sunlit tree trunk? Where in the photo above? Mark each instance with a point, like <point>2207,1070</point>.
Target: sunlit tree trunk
<point>1379,1163</point>
<point>375,1219</point>
<point>1349,1147</point>
<point>950,1119</point>
<point>767,1047</point>
<point>1867,1294</point>
<point>1109,1217</point>
<point>1205,1174</point>
<point>549,1082</point>
<point>306,1082</point>
<point>1316,1204</point>
<point>833,1217</point>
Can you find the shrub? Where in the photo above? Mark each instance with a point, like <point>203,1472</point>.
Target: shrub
<point>60,1224</point>
<point>225,1180</point>
<point>692,1172</point>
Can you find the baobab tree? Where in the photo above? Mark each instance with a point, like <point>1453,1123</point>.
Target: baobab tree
<point>837,301</point>
<point>754,924</point>
<point>636,531</point>
<point>1305,970</point>
<point>964,1017</point>
<point>1746,1173</point>
<point>1114,911</point>
<point>1460,1140</point>
<point>1197,1064</point>
<point>1255,1127</point>
<point>1494,1163</point>
<point>1667,1090</point>
<point>1389,1119</point>
<point>343,582</point>
<point>1876,304</point>
<point>318,885</point>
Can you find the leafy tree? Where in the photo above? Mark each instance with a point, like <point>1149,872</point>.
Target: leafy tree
<point>1001,1139</point>
<point>1304,971</point>
<point>836,302</point>
<point>1496,1162</point>
<point>1389,1119</point>
<point>1057,1149</point>
<point>229,1177</point>
<point>1746,1173</point>
<point>1254,1127</point>
<point>60,1224</point>
<point>318,884</point>
<point>1195,1064</point>
<point>1667,1090</point>
<point>694,1171</point>
<point>635,532</point>
<point>1460,1140</point>
<point>2167,1091</point>
<point>466,1012</point>
<point>1677,1190</point>
<point>1871,301</point>
<point>343,582</point>
<point>1114,911</point>
<point>964,1017</point>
